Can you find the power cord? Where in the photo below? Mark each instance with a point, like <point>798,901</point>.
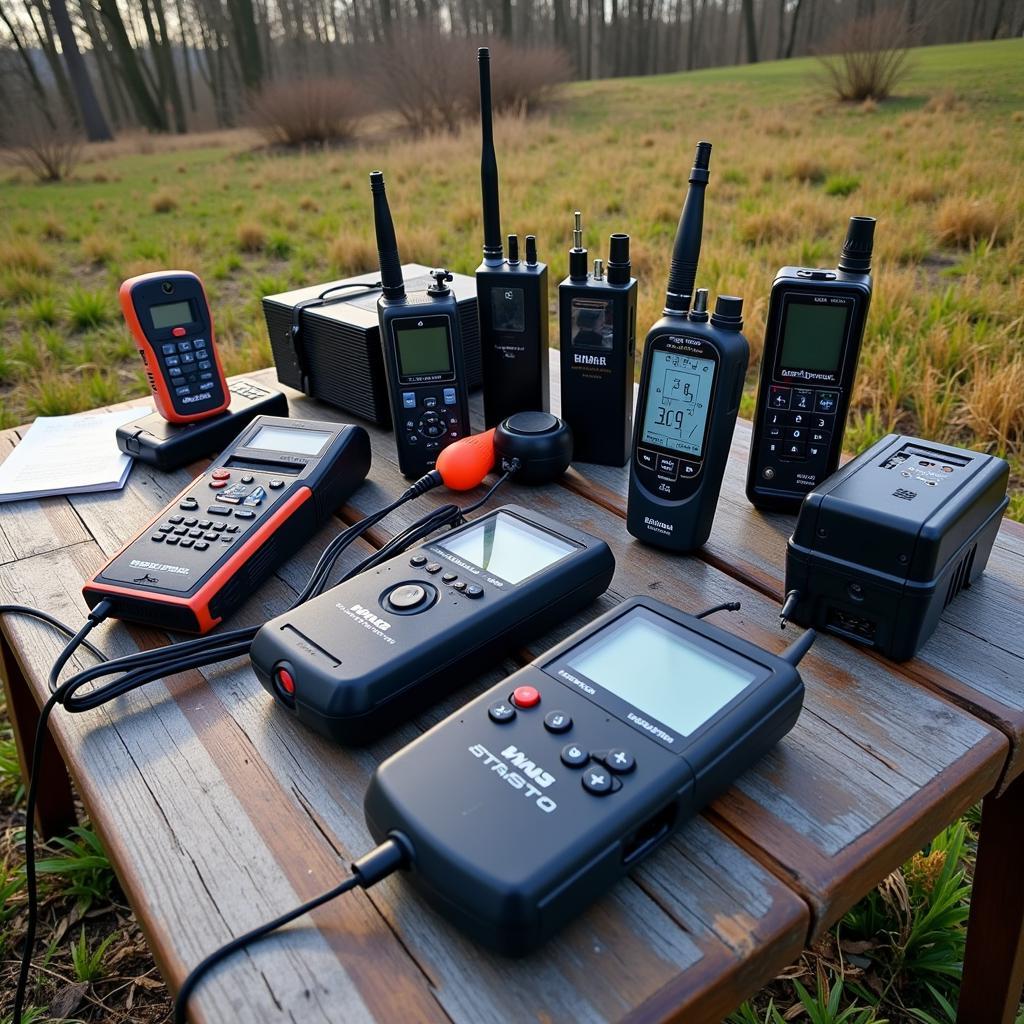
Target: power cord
<point>134,670</point>
<point>387,858</point>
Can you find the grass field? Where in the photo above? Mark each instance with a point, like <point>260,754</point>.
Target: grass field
<point>939,166</point>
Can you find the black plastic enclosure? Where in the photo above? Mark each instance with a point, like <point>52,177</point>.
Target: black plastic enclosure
<point>883,545</point>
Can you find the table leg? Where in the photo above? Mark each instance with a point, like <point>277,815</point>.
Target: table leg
<point>994,958</point>
<point>55,805</point>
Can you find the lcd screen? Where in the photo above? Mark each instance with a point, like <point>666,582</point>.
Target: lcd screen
<point>678,402</point>
<point>592,325</point>
<point>171,314</point>
<point>423,351</point>
<point>292,440</point>
<point>659,672</point>
<point>812,337</point>
<point>508,309</point>
<point>508,547</point>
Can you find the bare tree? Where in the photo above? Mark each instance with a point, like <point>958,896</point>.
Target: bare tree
<point>93,120</point>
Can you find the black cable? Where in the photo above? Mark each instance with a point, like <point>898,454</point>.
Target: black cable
<point>788,607</point>
<point>96,616</point>
<point>368,870</point>
<point>62,627</point>
<point>725,606</point>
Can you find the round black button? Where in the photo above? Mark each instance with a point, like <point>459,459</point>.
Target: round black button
<point>473,590</point>
<point>557,721</point>
<point>459,585</point>
<point>574,756</point>
<point>501,711</point>
<point>597,780</point>
<point>410,595</point>
<point>248,478</point>
<point>620,761</point>
<point>417,561</point>
<point>449,577</point>
<point>434,567</point>
<point>276,485</point>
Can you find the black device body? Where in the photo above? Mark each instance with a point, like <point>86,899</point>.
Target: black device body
<point>155,441</point>
<point>371,652</point>
<point>521,813</point>
<point>883,545</point>
<point>812,344</point>
<point>597,331</point>
<point>423,358</point>
<point>254,506</point>
<point>513,296</point>
<point>331,348</point>
<point>691,382</point>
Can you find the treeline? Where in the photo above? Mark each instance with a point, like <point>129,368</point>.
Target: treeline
<point>179,65</point>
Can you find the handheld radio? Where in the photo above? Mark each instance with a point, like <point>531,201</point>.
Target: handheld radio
<point>374,650</point>
<point>512,296</point>
<point>597,328</point>
<point>812,342</point>
<point>171,325</point>
<point>524,806</point>
<point>222,536</point>
<point>423,356</point>
<point>691,381</point>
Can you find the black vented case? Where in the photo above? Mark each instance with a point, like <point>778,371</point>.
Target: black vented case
<point>340,342</point>
<point>882,546</point>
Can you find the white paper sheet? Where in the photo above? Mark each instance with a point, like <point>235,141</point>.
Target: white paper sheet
<point>68,455</point>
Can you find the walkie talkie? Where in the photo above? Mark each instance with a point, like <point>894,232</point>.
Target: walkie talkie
<point>691,381</point>
<point>423,358</point>
<point>811,345</point>
<point>512,296</point>
<point>171,325</point>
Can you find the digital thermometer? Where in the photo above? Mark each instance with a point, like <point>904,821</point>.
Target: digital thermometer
<point>172,327</point>
<point>524,806</point>
<point>211,546</point>
<point>371,652</point>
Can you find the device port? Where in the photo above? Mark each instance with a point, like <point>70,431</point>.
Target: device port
<point>650,833</point>
<point>857,627</point>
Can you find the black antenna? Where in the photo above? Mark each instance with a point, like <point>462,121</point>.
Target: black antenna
<point>488,164</point>
<point>391,280</point>
<point>686,251</point>
<point>856,255</point>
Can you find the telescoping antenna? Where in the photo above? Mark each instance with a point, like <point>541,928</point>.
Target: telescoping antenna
<point>686,250</point>
<point>392,282</point>
<point>493,254</point>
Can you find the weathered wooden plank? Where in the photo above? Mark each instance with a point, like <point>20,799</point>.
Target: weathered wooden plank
<point>278,801</point>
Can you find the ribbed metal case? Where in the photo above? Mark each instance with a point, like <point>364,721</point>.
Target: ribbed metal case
<point>341,342</point>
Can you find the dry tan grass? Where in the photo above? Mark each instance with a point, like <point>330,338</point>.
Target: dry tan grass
<point>25,254</point>
<point>164,201</point>
<point>964,222</point>
<point>251,237</point>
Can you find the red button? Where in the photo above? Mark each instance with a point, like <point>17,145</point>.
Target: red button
<point>285,681</point>
<point>525,697</point>
<point>178,332</point>
<point>215,484</point>
<point>220,474</point>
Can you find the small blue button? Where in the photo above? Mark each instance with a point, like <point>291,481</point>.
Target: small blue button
<point>449,396</point>
<point>408,400</point>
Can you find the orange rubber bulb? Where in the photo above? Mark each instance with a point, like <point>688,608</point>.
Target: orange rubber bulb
<point>466,463</point>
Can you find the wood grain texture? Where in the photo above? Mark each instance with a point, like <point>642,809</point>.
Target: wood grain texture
<point>220,811</point>
<point>976,655</point>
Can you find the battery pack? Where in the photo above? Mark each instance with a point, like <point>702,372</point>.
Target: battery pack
<point>884,545</point>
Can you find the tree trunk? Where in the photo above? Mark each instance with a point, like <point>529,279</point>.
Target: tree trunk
<point>751,31</point>
<point>95,124</point>
<point>44,34</point>
<point>166,57</point>
<point>147,109</point>
<point>997,21</point>
<point>792,28</point>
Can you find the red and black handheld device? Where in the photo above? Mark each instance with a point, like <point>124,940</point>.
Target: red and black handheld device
<point>222,536</point>
<point>170,320</point>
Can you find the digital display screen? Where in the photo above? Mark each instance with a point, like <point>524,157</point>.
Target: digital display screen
<point>592,325</point>
<point>678,402</point>
<point>292,440</point>
<point>660,672</point>
<point>508,547</point>
<point>171,314</point>
<point>508,309</point>
<point>812,337</point>
<point>423,351</point>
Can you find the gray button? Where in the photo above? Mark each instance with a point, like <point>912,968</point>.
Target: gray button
<point>408,596</point>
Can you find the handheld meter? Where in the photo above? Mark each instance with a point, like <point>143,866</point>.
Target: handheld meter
<point>691,380</point>
<point>371,652</point>
<point>423,355</point>
<point>170,321</point>
<point>222,536</point>
<point>524,806</point>
<point>812,342</point>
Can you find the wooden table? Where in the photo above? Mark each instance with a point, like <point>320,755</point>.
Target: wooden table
<point>219,812</point>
